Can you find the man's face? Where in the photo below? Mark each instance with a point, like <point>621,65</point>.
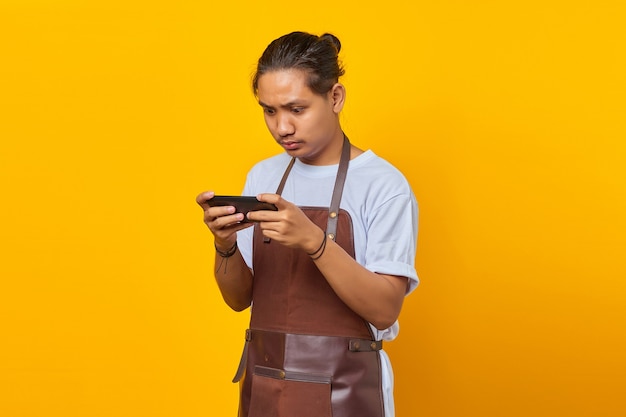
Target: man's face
<point>304,123</point>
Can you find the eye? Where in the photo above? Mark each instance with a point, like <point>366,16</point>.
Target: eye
<point>297,110</point>
<point>268,111</point>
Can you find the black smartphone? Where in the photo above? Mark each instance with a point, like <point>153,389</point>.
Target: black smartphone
<point>242,204</point>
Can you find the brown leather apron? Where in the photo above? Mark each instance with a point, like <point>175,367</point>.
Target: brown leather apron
<point>307,353</point>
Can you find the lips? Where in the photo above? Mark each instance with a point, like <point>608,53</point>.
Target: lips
<point>290,145</point>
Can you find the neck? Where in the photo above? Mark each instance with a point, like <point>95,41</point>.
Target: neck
<point>329,154</point>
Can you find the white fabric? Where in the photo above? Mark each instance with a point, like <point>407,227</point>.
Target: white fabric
<point>384,216</point>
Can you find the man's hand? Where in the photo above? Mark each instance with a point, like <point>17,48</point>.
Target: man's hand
<point>222,221</point>
<point>288,226</point>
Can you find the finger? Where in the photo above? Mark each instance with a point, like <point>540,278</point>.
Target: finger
<point>272,234</point>
<point>222,215</point>
<point>275,199</point>
<point>232,227</point>
<point>226,233</point>
<point>263,216</point>
<point>224,225</point>
<point>203,197</point>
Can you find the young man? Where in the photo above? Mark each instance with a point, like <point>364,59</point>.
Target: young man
<point>326,274</point>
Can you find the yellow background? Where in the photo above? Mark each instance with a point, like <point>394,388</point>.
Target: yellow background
<point>506,117</point>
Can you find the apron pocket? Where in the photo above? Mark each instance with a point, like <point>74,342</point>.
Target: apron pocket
<point>278,393</point>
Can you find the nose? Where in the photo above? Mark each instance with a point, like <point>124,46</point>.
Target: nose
<point>284,125</point>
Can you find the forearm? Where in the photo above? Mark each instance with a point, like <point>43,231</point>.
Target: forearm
<point>234,280</point>
<point>377,298</point>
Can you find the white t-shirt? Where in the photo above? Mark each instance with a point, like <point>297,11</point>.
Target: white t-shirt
<point>384,219</point>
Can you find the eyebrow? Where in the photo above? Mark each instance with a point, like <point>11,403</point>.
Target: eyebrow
<point>286,105</point>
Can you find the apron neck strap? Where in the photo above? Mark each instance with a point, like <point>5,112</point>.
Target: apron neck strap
<point>342,172</point>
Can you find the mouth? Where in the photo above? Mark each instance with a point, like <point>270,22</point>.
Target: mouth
<point>290,145</point>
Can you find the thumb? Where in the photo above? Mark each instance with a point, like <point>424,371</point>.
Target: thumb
<point>275,199</point>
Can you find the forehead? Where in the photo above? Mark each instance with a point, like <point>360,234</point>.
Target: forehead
<point>284,86</point>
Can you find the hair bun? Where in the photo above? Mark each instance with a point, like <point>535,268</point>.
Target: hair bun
<point>332,39</point>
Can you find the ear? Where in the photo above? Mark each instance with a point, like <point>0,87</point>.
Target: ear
<point>338,97</point>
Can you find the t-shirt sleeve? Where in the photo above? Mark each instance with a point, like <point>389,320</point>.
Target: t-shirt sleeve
<point>392,238</point>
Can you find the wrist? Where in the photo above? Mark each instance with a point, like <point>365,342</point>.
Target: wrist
<point>228,252</point>
<point>318,250</point>
<point>225,254</point>
<point>224,246</point>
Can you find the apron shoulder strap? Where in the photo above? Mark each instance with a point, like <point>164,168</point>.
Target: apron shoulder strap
<point>279,190</point>
<point>342,172</point>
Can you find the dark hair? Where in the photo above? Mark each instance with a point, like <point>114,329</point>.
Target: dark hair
<point>317,55</point>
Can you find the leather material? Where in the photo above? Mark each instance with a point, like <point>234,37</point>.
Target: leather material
<point>292,369</point>
<point>307,353</point>
<point>293,296</point>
